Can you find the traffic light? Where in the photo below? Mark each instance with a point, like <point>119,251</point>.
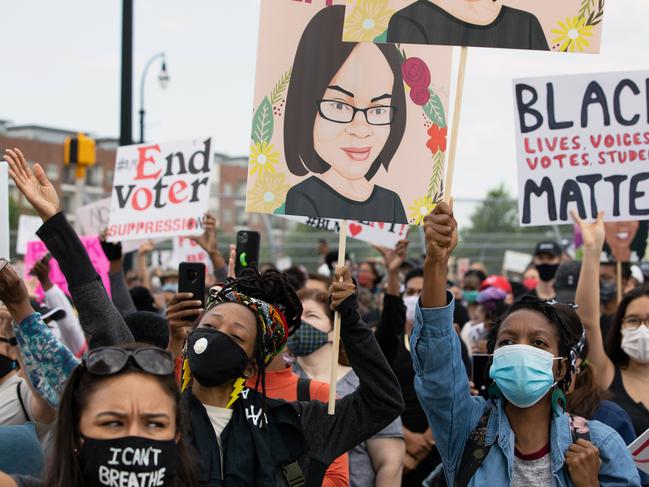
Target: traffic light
<point>79,150</point>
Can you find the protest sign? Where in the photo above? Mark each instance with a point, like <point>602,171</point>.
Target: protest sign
<point>37,250</point>
<point>160,190</point>
<point>27,227</point>
<point>186,250</point>
<point>583,143</point>
<point>516,261</point>
<point>344,130</point>
<point>94,218</point>
<point>375,233</point>
<point>550,25</point>
<point>4,210</point>
<point>640,451</point>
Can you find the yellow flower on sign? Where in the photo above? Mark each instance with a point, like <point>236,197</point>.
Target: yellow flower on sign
<point>369,18</point>
<point>262,158</point>
<point>268,193</point>
<point>572,34</point>
<point>419,209</point>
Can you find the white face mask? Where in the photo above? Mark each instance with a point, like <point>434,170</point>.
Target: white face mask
<point>411,306</point>
<point>635,343</point>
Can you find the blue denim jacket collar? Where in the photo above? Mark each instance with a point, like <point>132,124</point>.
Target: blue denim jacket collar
<point>499,429</point>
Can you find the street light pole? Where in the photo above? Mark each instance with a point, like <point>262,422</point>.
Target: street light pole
<point>126,101</point>
<point>163,77</point>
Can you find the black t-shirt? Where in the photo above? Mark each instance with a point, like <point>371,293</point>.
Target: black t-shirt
<point>423,22</point>
<point>312,196</point>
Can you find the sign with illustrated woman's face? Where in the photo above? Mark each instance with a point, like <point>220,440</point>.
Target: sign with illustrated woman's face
<point>541,25</point>
<point>341,129</point>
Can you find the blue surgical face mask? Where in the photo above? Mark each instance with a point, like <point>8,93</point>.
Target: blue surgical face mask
<point>523,373</point>
<point>470,296</point>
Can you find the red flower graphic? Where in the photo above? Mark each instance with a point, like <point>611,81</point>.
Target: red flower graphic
<point>415,73</point>
<point>419,95</point>
<point>437,139</point>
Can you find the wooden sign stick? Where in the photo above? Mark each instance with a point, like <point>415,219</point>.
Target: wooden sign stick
<point>342,244</point>
<point>618,265</point>
<point>457,110</point>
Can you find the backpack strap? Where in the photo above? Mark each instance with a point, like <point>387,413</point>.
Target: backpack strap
<point>475,451</point>
<point>303,389</point>
<point>293,475</point>
<point>20,400</point>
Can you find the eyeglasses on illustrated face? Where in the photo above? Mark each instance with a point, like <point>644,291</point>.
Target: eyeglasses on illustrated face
<point>339,112</point>
<point>112,360</point>
<point>634,322</point>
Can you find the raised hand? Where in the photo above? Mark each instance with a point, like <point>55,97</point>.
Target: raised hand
<point>342,287</point>
<point>34,185</point>
<point>13,292</point>
<point>394,258</point>
<point>41,270</point>
<point>207,241</point>
<point>440,229</point>
<point>146,247</point>
<point>592,233</point>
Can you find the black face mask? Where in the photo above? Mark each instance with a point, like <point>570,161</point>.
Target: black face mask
<point>607,292</point>
<point>129,461</point>
<point>547,271</point>
<point>7,365</point>
<point>214,357</point>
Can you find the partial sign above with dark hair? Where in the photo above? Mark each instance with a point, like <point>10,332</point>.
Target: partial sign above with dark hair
<point>548,25</point>
<point>344,130</point>
<point>583,144</point>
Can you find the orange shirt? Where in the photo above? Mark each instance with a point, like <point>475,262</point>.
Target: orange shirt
<point>282,384</point>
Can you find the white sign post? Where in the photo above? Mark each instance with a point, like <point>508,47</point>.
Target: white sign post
<point>4,210</point>
<point>583,143</point>
<point>160,190</point>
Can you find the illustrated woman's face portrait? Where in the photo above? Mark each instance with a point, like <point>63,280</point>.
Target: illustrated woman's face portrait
<point>355,114</point>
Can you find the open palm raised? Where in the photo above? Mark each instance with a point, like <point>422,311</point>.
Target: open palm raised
<point>34,185</point>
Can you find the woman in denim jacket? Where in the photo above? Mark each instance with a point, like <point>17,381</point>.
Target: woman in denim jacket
<point>528,439</point>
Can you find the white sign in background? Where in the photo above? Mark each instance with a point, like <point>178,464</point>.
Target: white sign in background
<point>381,234</point>
<point>93,219</point>
<point>186,250</point>
<point>27,227</point>
<point>583,142</point>
<point>160,190</point>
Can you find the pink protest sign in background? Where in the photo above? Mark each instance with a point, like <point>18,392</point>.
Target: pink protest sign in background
<point>36,250</point>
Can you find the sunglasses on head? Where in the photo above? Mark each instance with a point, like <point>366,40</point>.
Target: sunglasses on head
<point>111,360</point>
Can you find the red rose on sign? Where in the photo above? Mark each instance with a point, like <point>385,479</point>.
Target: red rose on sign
<point>415,73</point>
<point>419,95</point>
<point>437,139</point>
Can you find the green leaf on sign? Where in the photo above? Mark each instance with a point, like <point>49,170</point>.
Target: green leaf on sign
<point>262,122</point>
<point>382,38</point>
<point>435,184</point>
<point>280,87</point>
<point>434,110</point>
<point>281,210</point>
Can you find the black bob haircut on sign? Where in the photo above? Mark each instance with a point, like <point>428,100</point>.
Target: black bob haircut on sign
<point>320,55</point>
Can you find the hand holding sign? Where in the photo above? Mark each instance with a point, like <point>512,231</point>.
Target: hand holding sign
<point>33,185</point>
<point>342,287</point>
<point>394,258</point>
<point>440,229</point>
<point>13,292</point>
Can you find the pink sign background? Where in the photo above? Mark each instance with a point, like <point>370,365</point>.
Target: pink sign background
<point>36,250</point>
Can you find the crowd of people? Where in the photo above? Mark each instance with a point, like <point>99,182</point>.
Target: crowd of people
<point>147,386</point>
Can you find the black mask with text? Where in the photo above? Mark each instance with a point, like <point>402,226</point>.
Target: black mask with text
<point>214,357</point>
<point>547,271</point>
<point>133,461</point>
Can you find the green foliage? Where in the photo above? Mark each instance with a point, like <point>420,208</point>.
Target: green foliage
<point>280,87</point>
<point>434,186</point>
<point>262,123</point>
<point>434,110</point>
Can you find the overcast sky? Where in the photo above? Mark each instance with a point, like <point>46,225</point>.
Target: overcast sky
<point>61,67</point>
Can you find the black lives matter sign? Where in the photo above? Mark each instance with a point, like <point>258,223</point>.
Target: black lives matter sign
<point>583,143</point>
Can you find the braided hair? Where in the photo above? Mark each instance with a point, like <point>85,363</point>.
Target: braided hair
<point>273,288</point>
<point>568,337</point>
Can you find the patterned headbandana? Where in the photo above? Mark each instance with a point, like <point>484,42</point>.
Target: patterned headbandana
<point>271,320</point>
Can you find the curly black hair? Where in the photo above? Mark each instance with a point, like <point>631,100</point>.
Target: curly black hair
<point>567,335</point>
